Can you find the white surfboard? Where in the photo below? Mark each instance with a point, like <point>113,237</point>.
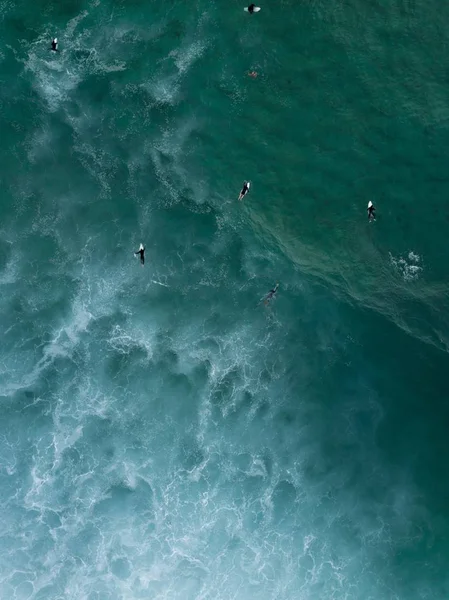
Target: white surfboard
<point>141,247</point>
<point>370,204</point>
<point>256,9</point>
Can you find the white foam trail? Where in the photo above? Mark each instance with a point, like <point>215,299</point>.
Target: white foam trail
<point>160,283</point>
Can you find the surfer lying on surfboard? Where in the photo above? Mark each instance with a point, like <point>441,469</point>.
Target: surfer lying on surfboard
<point>371,211</point>
<point>141,251</point>
<point>271,294</point>
<point>54,44</point>
<point>245,190</point>
<point>252,8</point>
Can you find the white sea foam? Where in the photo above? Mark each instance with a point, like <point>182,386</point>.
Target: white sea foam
<point>409,267</point>
<point>10,273</point>
<point>53,80</point>
<point>81,54</point>
<point>172,144</point>
<point>163,90</point>
<point>123,339</point>
<point>184,57</point>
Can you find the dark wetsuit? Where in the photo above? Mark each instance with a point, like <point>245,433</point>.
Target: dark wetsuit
<point>251,8</point>
<point>142,255</point>
<point>371,211</point>
<point>54,46</point>
<point>271,294</point>
<point>245,190</point>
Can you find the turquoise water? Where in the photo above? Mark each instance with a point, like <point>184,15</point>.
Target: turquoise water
<point>162,433</point>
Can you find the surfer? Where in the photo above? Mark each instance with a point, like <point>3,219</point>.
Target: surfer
<point>251,8</point>
<point>271,294</point>
<point>245,190</point>
<point>371,211</point>
<point>253,74</point>
<point>141,251</point>
<point>54,44</point>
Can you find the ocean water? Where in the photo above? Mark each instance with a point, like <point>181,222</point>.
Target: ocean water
<point>163,433</point>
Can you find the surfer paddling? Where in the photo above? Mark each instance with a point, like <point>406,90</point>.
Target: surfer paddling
<point>54,44</point>
<point>271,294</point>
<point>371,211</point>
<point>245,189</point>
<point>141,252</point>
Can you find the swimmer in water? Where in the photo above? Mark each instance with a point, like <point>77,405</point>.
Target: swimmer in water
<point>251,8</point>
<point>54,44</point>
<point>245,190</point>
<point>141,251</point>
<point>271,294</point>
<point>371,211</point>
<point>252,74</point>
